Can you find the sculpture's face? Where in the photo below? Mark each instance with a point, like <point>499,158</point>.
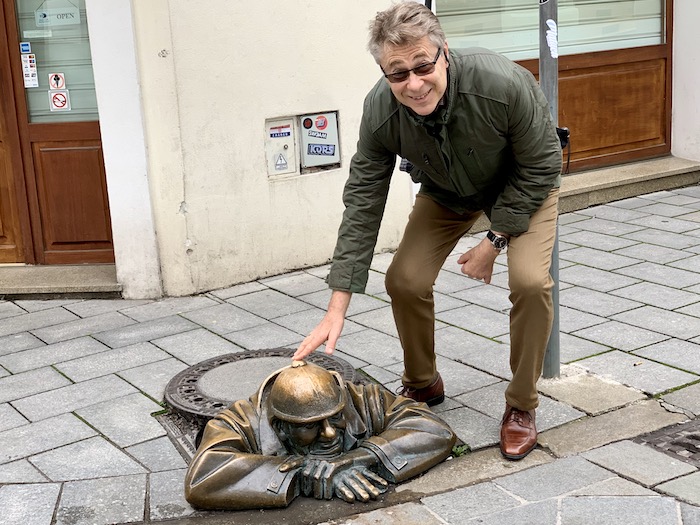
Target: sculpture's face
<point>322,438</point>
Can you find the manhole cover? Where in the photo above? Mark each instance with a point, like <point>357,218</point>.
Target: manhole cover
<point>680,441</point>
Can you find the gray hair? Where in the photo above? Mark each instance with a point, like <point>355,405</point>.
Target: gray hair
<point>403,24</point>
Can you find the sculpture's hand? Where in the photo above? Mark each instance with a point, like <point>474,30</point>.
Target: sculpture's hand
<point>291,463</point>
<point>346,473</point>
<point>359,484</point>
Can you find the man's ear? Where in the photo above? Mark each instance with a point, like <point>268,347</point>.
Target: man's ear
<point>446,52</point>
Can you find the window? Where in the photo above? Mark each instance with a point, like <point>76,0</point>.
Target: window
<point>511,26</point>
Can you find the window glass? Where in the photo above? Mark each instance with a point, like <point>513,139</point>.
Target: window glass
<point>56,61</point>
<point>511,26</point>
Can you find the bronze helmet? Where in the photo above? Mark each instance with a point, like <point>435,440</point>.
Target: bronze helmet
<point>304,393</point>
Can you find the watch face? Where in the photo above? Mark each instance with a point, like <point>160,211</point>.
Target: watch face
<point>498,242</point>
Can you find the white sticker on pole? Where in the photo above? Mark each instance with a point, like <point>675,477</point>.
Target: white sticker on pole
<point>59,100</point>
<point>552,38</point>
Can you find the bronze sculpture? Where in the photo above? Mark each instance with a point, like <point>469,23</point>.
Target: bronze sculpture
<point>307,431</point>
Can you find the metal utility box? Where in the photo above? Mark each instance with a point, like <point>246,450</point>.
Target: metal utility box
<point>280,147</point>
<point>319,139</point>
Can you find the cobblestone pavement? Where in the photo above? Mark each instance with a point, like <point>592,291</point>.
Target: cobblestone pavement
<point>80,381</point>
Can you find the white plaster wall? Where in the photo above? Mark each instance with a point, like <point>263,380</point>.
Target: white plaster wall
<point>685,138</point>
<point>121,126</point>
<point>210,77</point>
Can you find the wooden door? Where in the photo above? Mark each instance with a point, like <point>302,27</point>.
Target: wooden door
<point>62,168</point>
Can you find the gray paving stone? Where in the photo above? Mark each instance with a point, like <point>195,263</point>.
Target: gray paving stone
<point>631,203</point>
<point>594,278</point>
<point>10,418</point>
<point>686,488</point>
<point>667,223</point>
<point>661,274</point>
<point>662,238</point>
<point>319,271</point>
<point>665,209</point>
<point>18,342</point>
<point>360,303</point>
<point>31,504</point>
<point>91,458</point>
<point>614,487</point>
<point>8,309</point>
<point>197,345</point>
<point>637,372</point>
<point>376,348</point>
<point>658,295</point>
<point>168,307</point>
<point>608,227</point>
<point>687,398</point>
<point>375,283</point>
<point>475,501</point>
<point>295,284</point>
<point>269,304</point>
<point>477,319</point>
<point>380,375</point>
<point>446,302</point>
<point>639,463</point>
<point>572,348</point>
<point>167,498</point>
<point>381,319</point>
<point>691,515</point>
<point>223,318</point>
<point>239,289</point>
<point>268,335</point>
<point>4,372</point>
<point>460,378</point>
<point>571,218</point>
<point>528,484</point>
<point>540,513</point>
<point>486,296</point>
<point>571,319</point>
<point>597,258</point>
<point>693,309</point>
<point>97,365</point>
<point>72,397</point>
<point>81,327</point>
<point>620,335</point>
<point>674,324</point>
<point>449,282</point>
<point>351,360</point>
<point>153,378</point>
<point>473,428</point>
<point>36,320</point>
<point>37,305</point>
<point>126,420</point>
<point>652,253</point>
<point>599,241</point>
<point>304,322</point>
<point>20,472</point>
<point>614,213</point>
<point>675,352</point>
<point>403,514</point>
<point>147,331</point>
<point>103,501</point>
<point>157,455</point>
<point>474,350</point>
<point>598,303</point>
<point>28,383</point>
<point>27,440</point>
<point>640,510</point>
<point>102,306</point>
<point>52,354</point>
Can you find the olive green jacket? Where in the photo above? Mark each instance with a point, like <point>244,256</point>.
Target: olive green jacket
<point>490,146</point>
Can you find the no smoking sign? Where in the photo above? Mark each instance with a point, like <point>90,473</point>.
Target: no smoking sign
<point>59,100</point>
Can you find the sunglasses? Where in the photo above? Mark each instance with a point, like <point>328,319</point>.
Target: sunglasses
<point>421,70</point>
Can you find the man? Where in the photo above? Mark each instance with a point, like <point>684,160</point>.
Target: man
<point>306,431</point>
<point>477,129</point>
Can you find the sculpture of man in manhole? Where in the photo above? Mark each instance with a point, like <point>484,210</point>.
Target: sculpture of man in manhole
<point>308,432</point>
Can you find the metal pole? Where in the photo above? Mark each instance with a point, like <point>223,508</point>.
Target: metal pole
<point>549,82</point>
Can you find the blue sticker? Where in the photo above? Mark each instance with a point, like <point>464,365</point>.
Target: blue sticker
<point>321,149</point>
<point>25,47</point>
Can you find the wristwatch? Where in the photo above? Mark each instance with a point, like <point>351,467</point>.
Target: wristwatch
<point>498,241</point>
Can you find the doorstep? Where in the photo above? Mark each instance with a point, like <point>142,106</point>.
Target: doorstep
<point>44,282</point>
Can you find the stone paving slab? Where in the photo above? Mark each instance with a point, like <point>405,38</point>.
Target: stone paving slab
<point>640,510</point>
<point>93,307</point>
<point>264,336</point>
<point>474,350</point>
<point>686,488</point>
<point>598,241</point>
<point>195,346</point>
<point>10,418</point>
<point>595,279</point>
<point>620,335</point>
<point>662,238</point>
<point>470,502</point>
<point>359,304</point>
<point>98,365</point>
<point>594,302</point>
<point>81,327</point>
<point>269,304</point>
<point>157,455</point>
<point>674,324</point>
<point>600,259</point>
<point>103,501</point>
<point>627,422</point>
<point>651,253</point>
<point>540,513</point>
<point>373,347</point>
<point>691,515</point>
<point>48,434</point>
<point>91,458</point>
<point>30,504</point>
<point>8,309</point>
<point>460,378</point>
<point>147,331</point>
<point>19,386</point>
<point>476,319</point>
<point>471,427</point>
<point>72,397</point>
<point>613,487</point>
<point>675,352</point>
<point>36,320</point>
<point>36,305</point>
<point>639,463</point>
<point>126,420</point>
<point>687,398</point>
<point>51,354</point>
<point>572,348</point>
<point>18,342</point>
<point>20,472</point>
<point>404,514</point>
<point>381,319</point>
<point>167,498</point>
<point>658,295</point>
<point>167,307</point>
<point>153,378</point>
<point>295,284</point>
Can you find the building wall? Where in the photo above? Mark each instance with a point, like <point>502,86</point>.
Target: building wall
<point>685,141</point>
<point>209,79</point>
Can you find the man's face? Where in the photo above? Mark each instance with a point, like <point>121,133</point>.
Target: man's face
<point>321,438</point>
<point>420,93</point>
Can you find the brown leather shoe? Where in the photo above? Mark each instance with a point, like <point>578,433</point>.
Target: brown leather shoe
<point>433,394</point>
<point>518,433</point>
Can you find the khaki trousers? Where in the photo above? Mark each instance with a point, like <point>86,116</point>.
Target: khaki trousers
<point>431,234</point>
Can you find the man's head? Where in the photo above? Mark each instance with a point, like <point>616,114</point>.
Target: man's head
<point>306,406</point>
<point>409,45</point>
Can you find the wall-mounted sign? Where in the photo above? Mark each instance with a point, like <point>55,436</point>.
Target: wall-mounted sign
<point>67,15</point>
<point>29,70</point>
<point>59,100</point>
<point>25,47</point>
<point>57,80</point>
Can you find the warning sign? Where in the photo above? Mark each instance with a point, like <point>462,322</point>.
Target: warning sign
<point>57,80</point>
<point>59,100</point>
<point>281,163</point>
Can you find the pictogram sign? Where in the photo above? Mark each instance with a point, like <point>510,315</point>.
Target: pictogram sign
<point>59,100</point>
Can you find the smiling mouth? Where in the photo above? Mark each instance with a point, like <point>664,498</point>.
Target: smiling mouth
<point>421,97</point>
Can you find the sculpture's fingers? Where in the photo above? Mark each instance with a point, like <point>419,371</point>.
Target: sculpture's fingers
<point>372,491</point>
<point>291,463</point>
<point>358,489</point>
<point>344,493</point>
<point>379,482</point>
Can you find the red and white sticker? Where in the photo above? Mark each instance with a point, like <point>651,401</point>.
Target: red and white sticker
<point>321,122</point>
<point>59,100</point>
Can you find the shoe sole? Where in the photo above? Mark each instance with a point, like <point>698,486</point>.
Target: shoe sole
<point>516,457</point>
<point>436,400</point>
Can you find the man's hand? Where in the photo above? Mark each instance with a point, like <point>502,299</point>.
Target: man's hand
<point>477,263</point>
<point>329,329</point>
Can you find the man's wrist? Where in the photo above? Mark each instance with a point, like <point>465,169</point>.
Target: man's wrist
<point>499,241</point>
